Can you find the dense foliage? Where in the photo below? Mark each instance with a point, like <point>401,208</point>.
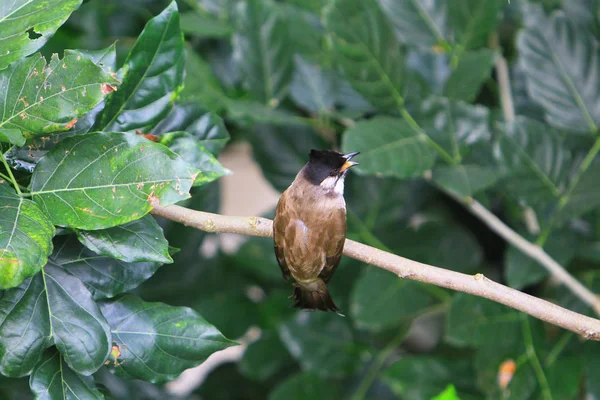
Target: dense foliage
<point>90,135</point>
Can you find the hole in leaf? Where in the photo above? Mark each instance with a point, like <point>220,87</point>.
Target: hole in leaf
<point>33,34</point>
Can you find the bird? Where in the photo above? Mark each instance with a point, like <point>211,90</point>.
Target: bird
<point>309,228</point>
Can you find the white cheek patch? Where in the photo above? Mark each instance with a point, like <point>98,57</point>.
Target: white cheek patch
<point>328,183</point>
<point>339,187</point>
<point>332,183</point>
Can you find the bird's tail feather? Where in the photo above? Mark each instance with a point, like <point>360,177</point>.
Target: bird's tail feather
<point>311,299</point>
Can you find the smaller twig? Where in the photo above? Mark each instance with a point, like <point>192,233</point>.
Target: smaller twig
<point>506,98</point>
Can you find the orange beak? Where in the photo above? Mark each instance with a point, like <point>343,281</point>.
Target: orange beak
<point>349,163</point>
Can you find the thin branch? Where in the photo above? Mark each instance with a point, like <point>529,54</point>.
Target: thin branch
<point>506,98</point>
<point>477,285</point>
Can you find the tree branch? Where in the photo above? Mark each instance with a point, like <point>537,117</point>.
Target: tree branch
<point>477,285</point>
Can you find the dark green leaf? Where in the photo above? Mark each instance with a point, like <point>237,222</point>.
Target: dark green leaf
<point>226,383</point>
<point>472,21</point>
<point>201,24</point>
<point>585,196</point>
<point>195,154</point>
<point>256,256</point>
<point>158,342</point>
<point>522,271</point>
<point>564,377</point>
<point>199,85</point>
<point>152,74</point>
<point>25,238</point>
<point>12,136</point>
<point>454,125</point>
<point>117,174</point>
<point>417,22</point>
<point>421,377</point>
<point>465,180</point>
<point>535,159</point>
<point>313,88</point>
<point>104,277</point>
<point>140,240</point>
<point>265,357</point>
<point>207,128</point>
<point>41,98</point>
<point>562,63</point>
<point>322,343</point>
<point>366,51</point>
<point>262,42</point>
<point>282,151</point>
<point>305,31</point>
<point>52,308</point>
<point>592,368</point>
<point>471,72</point>
<point>21,18</point>
<point>249,112</point>
<point>376,290</point>
<point>53,379</point>
<point>306,385</point>
<point>389,147</point>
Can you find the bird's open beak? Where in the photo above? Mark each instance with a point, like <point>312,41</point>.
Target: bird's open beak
<point>349,163</point>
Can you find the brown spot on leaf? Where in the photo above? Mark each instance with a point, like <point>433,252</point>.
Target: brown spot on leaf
<point>140,186</point>
<point>23,115</point>
<point>107,88</point>
<point>63,88</point>
<point>71,123</point>
<point>505,373</point>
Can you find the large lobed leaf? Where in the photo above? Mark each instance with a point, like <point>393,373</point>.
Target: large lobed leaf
<point>25,238</point>
<point>389,147</point>
<point>40,98</point>
<point>562,63</point>
<point>51,308</point>
<point>263,44</point>
<point>26,25</point>
<point>366,51</point>
<point>100,180</point>
<point>152,74</point>
<point>158,342</point>
<point>52,380</point>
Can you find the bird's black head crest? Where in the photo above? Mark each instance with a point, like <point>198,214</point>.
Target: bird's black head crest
<point>323,163</point>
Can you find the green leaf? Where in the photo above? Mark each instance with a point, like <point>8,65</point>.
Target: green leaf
<point>423,377</point>
<point>522,271</point>
<point>140,240</point>
<point>454,125</point>
<point>116,176</point>
<point>419,23</point>
<point>151,76</point>
<point>104,277</point>
<point>313,88</point>
<point>262,41</point>
<point>592,368</point>
<point>21,20</point>
<point>562,63</point>
<point>305,385</point>
<point>204,25</point>
<point>366,51</point>
<point>12,136</point>
<point>207,127</point>
<point>535,159</point>
<point>249,112</point>
<point>448,394</point>
<point>25,238</point>
<point>158,342</point>
<point>472,21</point>
<point>52,379</point>
<point>282,151</point>
<point>376,290</point>
<point>189,148</point>
<point>51,308</point>
<point>321,343</point>
<point>465,180</point>
<point>200,85</point>
<point>265,357</point>
<point>43,98</point>
<point>104,58</point>
<point>470,74</point>
<point>389,147</point>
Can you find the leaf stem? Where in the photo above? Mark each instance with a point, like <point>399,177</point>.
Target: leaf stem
<point>420,132</point>
<point>11,177</point>
<point>565,197</point>
<point>376,366</point>
<point>535,361</point>
<point>558,348</point>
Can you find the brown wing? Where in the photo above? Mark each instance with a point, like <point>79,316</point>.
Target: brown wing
<point>335,238</point>
<point>280,222</point>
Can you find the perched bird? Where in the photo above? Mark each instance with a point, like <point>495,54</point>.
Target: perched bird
<point>309,228</point>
